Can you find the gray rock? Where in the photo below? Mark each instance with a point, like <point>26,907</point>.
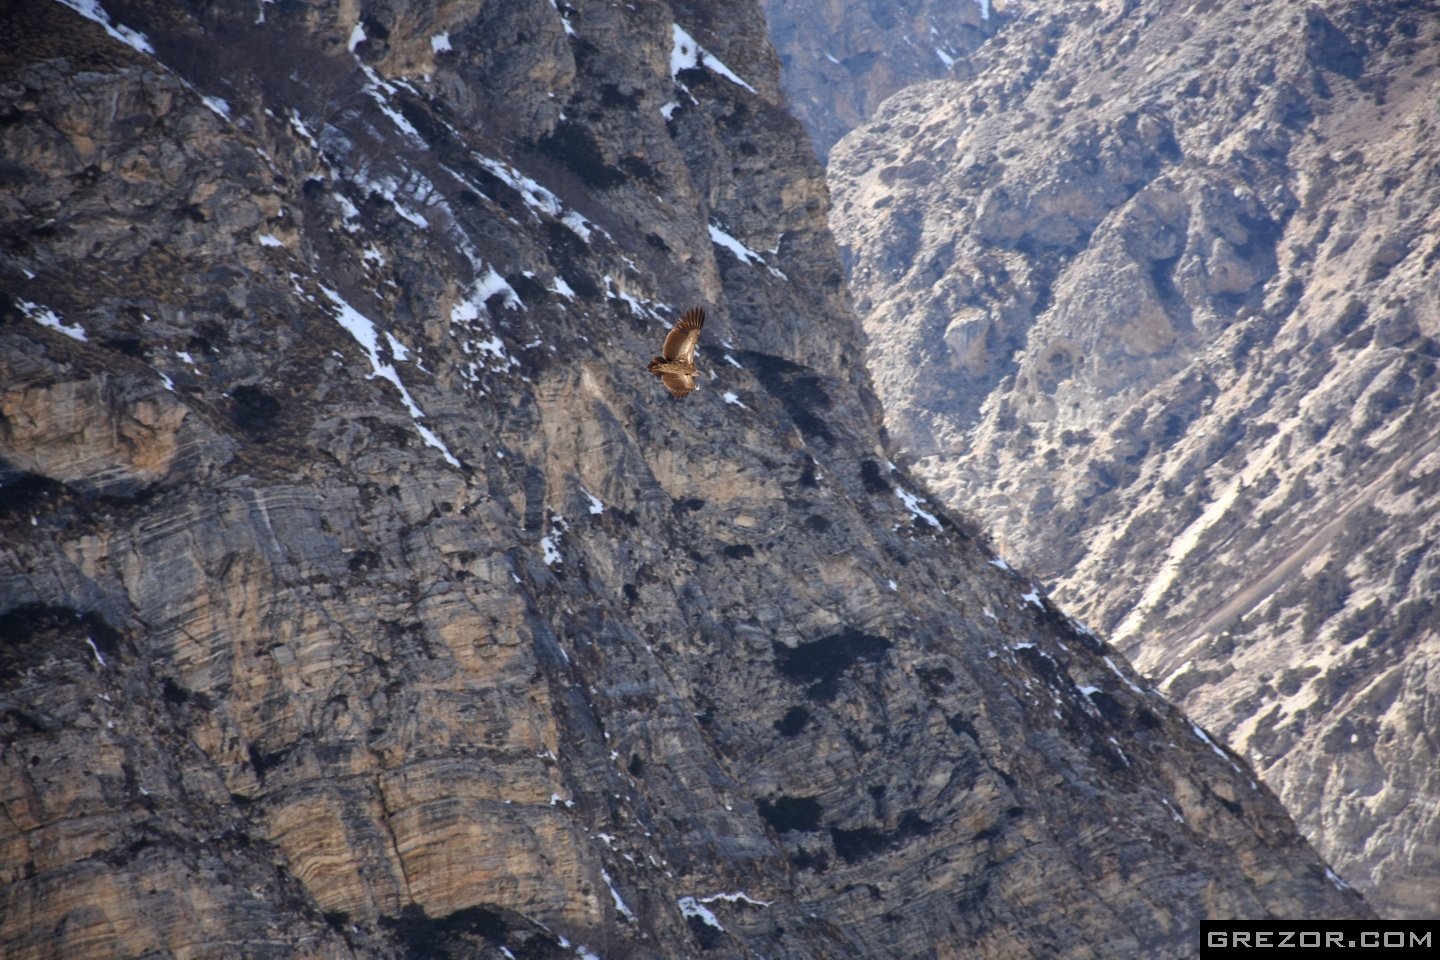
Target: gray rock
<point>362,596</point>
<point>1157,314</point>
<point>842,60</point>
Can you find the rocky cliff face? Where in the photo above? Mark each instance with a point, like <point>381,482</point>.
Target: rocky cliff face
<point>842,58</point>
<point>1153,295</point>
<point>362,596</point>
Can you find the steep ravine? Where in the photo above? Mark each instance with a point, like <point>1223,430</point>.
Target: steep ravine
<point>362,596</point>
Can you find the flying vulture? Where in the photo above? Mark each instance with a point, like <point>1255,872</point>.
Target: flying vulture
<point>676,365</point>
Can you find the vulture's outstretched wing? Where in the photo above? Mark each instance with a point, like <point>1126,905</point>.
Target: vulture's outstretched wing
<point>681,340</point>
<point>678,384</point>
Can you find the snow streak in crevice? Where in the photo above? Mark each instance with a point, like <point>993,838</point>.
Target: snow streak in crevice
<point>363,330</point>
<point>48,318</point>
<point>536,197</point>
<point>912,503</point>
<point>721,238</point>
<point>92,10</point>
<point>686,54</point>
<point>564,20</point>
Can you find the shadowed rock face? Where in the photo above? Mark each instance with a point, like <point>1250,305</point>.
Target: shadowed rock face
<point>841,58</point>
<point>1151,295</point>
<point>361,595</point>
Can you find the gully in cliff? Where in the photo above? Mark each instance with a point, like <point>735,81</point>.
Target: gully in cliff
<point>676,365</point>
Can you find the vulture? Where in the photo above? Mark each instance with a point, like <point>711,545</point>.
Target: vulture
<point>676,364</point>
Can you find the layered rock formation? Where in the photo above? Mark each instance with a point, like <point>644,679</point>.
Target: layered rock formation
<point>1153,295</point>
<point>362,596</point>
<point>842,58</point>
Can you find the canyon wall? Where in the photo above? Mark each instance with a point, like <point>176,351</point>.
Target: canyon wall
<point>361,595</point>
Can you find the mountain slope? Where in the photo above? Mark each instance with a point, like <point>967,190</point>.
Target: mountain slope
<point>362,596</point>
<point>1151,295</point>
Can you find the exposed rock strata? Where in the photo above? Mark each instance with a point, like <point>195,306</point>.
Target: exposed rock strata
<point>1153,296</point>
<point>362,596</point>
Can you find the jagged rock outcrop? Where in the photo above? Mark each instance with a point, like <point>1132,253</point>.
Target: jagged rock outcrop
<point>1152,295</point>
<point>361,595</point>
<point>842,58</point>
